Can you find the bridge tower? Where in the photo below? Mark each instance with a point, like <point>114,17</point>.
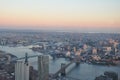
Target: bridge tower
<point>26,58</point>
<point>63,71</point>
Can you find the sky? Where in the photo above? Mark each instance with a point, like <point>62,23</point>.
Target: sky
<point>61,15</point>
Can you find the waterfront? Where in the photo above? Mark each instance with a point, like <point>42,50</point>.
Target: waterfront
<point>82,72</point>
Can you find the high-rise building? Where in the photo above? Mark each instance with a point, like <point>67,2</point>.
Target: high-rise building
<point>21,71</point>
<point>68,54</point>
<point>74,49</point>
<point>94,50</point>
<point>85,46</point>
<point>43,67</point>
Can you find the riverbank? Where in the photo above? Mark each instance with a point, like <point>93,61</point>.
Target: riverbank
<point>81,72</point>
<point>6,57</point>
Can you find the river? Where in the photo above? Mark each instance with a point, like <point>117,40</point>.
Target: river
<point>83,71</point>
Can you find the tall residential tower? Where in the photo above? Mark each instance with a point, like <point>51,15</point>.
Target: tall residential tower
<point>21,71</point>
<point>43,67</point>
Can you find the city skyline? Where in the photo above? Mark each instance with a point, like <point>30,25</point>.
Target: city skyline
<point>61,15</point>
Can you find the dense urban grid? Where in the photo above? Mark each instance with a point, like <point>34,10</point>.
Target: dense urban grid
<point>90,48</point>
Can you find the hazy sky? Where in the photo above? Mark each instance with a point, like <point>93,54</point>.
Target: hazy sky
<point>66,15</point>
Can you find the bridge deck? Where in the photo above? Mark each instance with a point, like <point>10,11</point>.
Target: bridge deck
<point>59,71</point>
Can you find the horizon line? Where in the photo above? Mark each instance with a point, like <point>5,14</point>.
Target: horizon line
<point>64,31</point>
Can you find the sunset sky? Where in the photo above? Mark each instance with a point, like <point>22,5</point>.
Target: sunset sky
<point>63,15</point>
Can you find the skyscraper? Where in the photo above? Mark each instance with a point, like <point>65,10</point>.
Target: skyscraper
<point>21,71</point>
<point>43,67</point>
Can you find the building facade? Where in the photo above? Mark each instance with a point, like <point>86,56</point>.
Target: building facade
<point>43,67</point>
<point>21,71</point>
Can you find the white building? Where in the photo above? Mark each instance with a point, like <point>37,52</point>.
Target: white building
<point>78,53</point>
<point>21,71</point>
<point>68,54</point>
<point>107,49</point>
<point>85,47</point>
<point>94,51</point>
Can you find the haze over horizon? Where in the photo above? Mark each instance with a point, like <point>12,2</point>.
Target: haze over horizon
<point>61,15</point>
